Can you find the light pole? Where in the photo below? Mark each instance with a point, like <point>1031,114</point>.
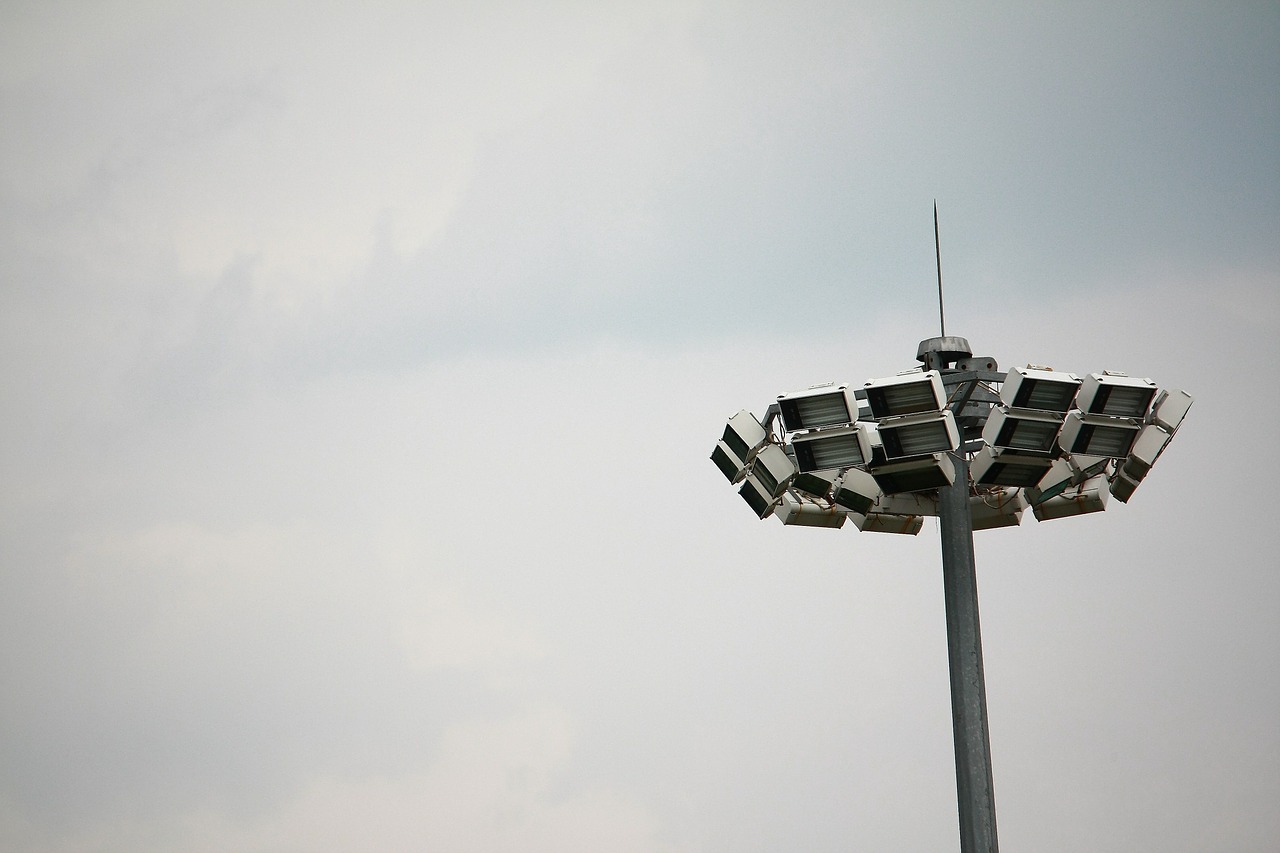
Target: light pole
<point>975,447</point>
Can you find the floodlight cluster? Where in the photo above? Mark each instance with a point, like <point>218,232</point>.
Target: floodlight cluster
<point>1032,438</point>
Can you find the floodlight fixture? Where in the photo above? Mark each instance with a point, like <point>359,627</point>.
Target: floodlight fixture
<point>1123,486</point>
<point>757,496</point>
<point>818,484</point>
<point>816,407</point>
<point>773,469</point>
<point>1147,447</point>
<point>998,508</point>
<point>1026,430</point>
<point>920,474</point>
<point>838,447</point>
<point>1039,388</point>
<point>906,436</point>
<point>793,510</point>
<point>1098,435</point>
<point>883,522</point>
<point>1089,496</point>
<point>1066,472</point>
<point>907,503</point>
<point>743,436</point>
<point>906,394</point>
<point>857,491</point>
<point>1000,467</point>
<point>1115,394</point>
<point>1170,408</point>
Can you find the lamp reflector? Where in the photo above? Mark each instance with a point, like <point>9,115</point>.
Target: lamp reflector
<point>1170,408</point>
<point>857,491</point>
<point>883,522</point>
<point>995,467</point>
<point>916,435</point>
<point>1098,435</point>
<point>808,514</point>
<point>817,407</point>
<point>1036,388</point>
<point>1028,430</point>
<point>1089,496</point>
<point>828,448</point>
<point>906,395</point>
<point>916,475</point>
<point>1115,395</point>
<point>774,469</point>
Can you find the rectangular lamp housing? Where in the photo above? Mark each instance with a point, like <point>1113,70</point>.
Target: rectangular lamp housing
<point>1089,496</point>
<point>1036,388</point>
<point>857,490</point>
<point>1115,394</point>
<point>773,469</point>
<point>883,522</point>
<point>1170,408</point>
<point>838,447</point>
<point>1027,430</point>
<point>1098,435</point>
<point>997,467</point>
<point>1147,447</point>
<point>907,394</point>
<point>733,468</point>
<point>817,407</point>
<point>756,496</point>
<point>791,510</point>
<point>916,475</point>
<point>916,435</point>
<point>744,435</point>
<point>1003,508</point>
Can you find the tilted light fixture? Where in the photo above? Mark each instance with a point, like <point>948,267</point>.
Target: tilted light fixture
<point>907,393</point>
<point>817,407</point>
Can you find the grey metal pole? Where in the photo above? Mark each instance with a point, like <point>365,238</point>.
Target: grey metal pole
<point>974,790</point>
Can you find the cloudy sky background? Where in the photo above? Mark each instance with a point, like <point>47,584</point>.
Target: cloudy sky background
<point>360,365</point>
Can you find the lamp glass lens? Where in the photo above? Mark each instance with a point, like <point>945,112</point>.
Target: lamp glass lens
<point>837,451</point>
<point>1046,395</point>
<point>1013,474</point>
<point>1107,441</point>
<point>823,410</point>
<point>908,398</point>
<point>736,443</point>
<point>1123,401</point>
<point>916,439</point>
<point>728,466</point>
<point>754,499</point>
<point>1027,435</point>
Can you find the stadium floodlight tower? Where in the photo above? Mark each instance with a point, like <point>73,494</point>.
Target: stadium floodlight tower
<point>957,439</point>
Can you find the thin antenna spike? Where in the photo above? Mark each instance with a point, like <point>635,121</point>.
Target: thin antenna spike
<point>937,251</point>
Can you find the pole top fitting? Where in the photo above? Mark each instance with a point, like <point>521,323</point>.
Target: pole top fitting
<point>937,353</point>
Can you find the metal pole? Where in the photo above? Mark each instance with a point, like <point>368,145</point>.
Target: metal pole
<point>974,790</point>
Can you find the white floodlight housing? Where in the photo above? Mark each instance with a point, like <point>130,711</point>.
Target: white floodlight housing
<point>1148,446</point>
<point>1123,486</point>
<point>792,510</point>
<point>1098,435</point>
<point>818,484</point>
<point>743,436</point>
<point>1037,388</point>
<point>1026,430</point>
<point>906,394</point>
<point>997,467</point>
<point>756,496</point>
<point>907,436</point>
<point>817,407</point>
<point>773,469</point>
<point>907,503</point>
<point>1115,394</point>
<point>1170,408</point>
<point>916,475</point>
<point>857,491</point>
<point>1066,472</point>
<point>883,522</point>
<point>839,447</point>
<point>1002,508</point>
<point>1089,496</point>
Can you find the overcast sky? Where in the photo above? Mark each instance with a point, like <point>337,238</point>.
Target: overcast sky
<point>360,363</point>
